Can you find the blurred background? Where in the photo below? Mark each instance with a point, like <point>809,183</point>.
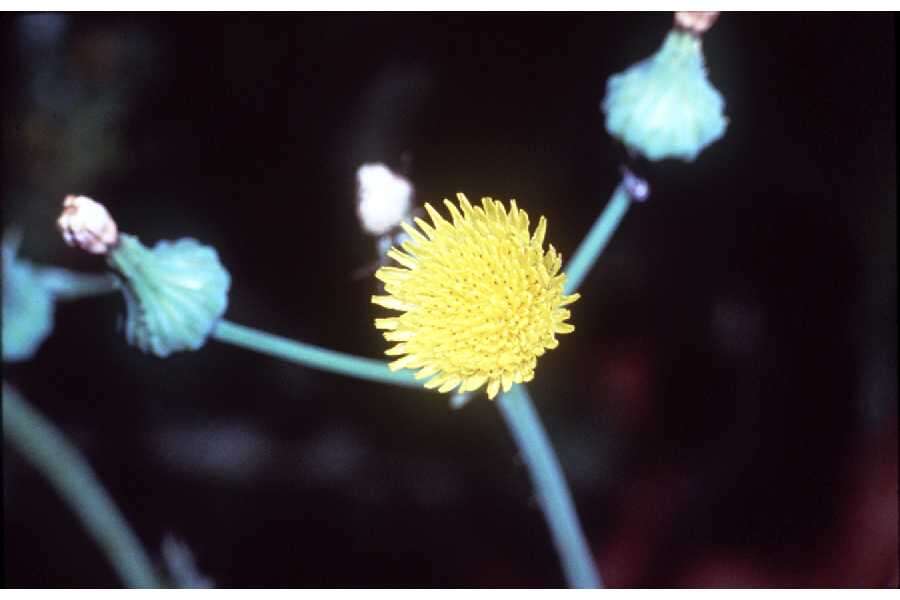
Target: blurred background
<point>726,412</point>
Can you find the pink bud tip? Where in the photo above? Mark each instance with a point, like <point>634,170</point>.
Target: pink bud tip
<point>86,224</point>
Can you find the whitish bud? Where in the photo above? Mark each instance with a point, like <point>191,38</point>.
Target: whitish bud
<point>174,294</point>
<point>384,198</point>
<point>86,224</point>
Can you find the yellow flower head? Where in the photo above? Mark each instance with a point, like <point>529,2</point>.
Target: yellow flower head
<point>480,298</point>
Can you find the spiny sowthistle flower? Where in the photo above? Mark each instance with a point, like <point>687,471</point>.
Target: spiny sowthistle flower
<point>480,298</point>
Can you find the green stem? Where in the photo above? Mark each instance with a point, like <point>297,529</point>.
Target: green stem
<point>47,449</point>
<point>516,406</point>
<point>550,487</point>
<point>68,285</point>
<point>518,411</point>
<point>598,237</point>
<point>309,355</point>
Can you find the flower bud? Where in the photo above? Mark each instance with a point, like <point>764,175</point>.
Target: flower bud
<point>174,294</point>
<point>664,106</point>
<point>87,224</point>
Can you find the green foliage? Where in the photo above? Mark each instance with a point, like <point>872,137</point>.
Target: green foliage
<point>27,306</point>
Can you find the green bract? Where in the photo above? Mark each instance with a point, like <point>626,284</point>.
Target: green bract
<point>174,293</point>
<point>664,106</point>
<point>27,307</point>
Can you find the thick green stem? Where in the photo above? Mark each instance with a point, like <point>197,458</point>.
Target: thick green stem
<point>598,237</point>
<point>68,285</point>
<point>550,488</point>
<point>309,355</point>
<point>47,449</point>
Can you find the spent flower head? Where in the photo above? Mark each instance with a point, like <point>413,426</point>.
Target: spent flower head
<point>480,298</point>
<point>665,106</point>
<point>175,293</point>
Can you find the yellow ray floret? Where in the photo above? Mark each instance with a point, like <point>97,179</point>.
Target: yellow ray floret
<point>480,298</point>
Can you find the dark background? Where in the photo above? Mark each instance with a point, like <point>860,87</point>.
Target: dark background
<point>726,411</point>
